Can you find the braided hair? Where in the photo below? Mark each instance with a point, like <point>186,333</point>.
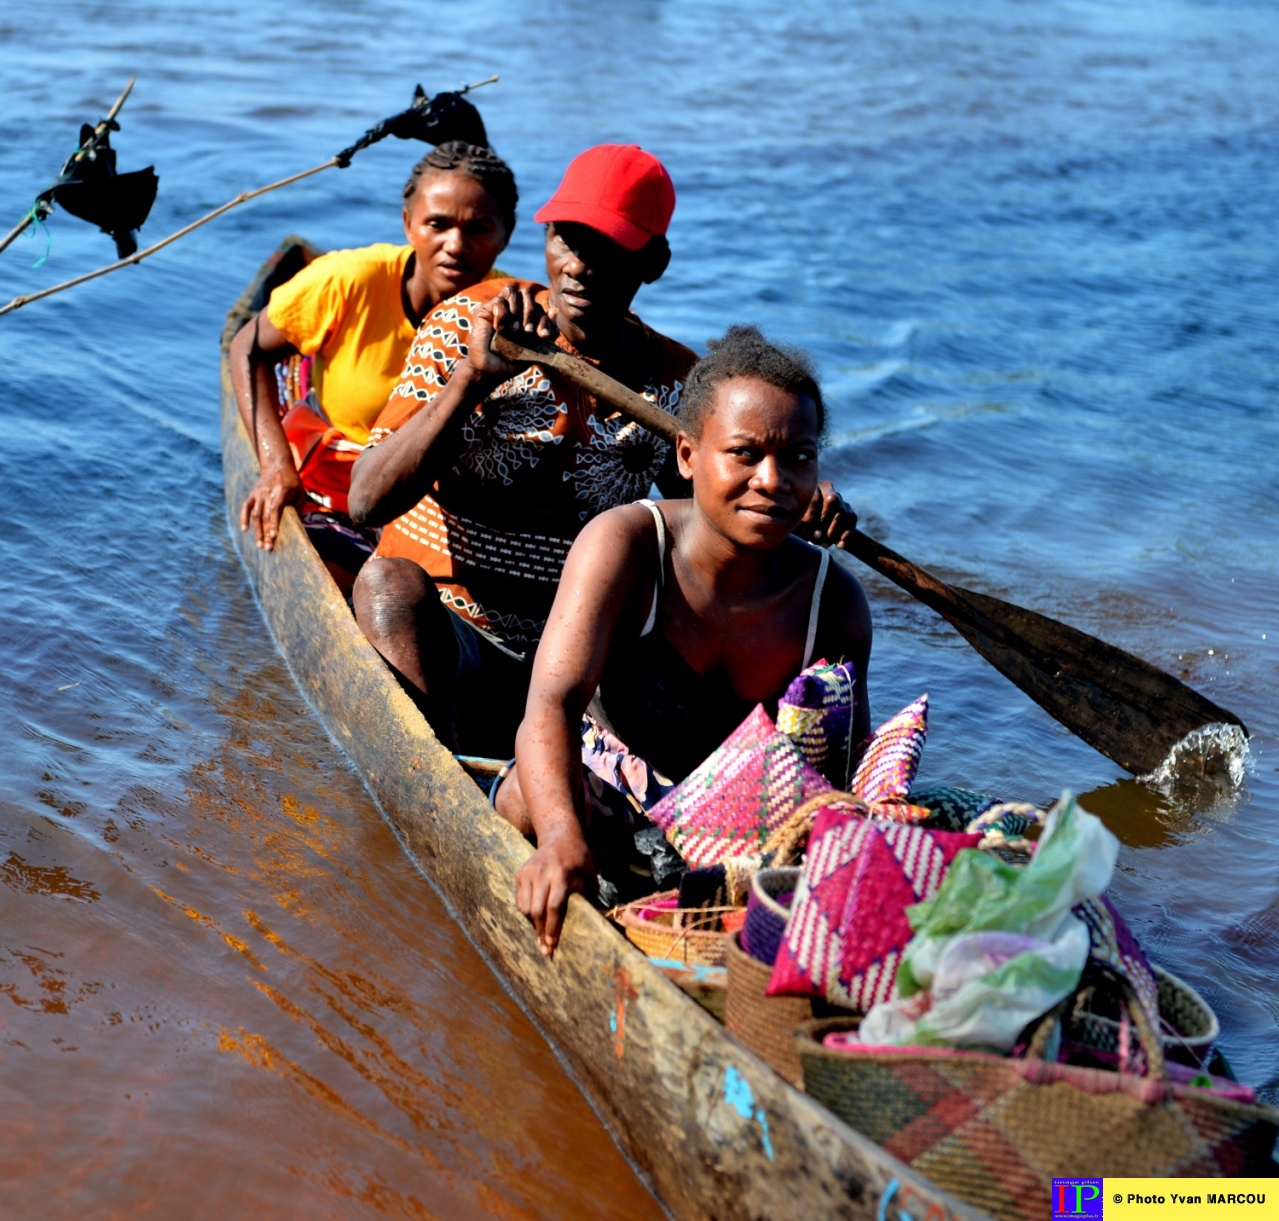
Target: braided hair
<point>744,352</point>
<point>483,164</point>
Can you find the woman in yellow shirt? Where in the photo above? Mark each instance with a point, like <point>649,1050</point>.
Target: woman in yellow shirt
<point>355,312</point>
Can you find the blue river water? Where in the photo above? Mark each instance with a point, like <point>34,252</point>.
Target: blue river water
<point>1032,248</point>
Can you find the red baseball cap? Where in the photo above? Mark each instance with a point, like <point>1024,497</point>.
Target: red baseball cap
<point>618,189</point>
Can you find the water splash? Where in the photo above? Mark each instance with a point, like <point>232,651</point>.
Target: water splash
<point>1218,754</point>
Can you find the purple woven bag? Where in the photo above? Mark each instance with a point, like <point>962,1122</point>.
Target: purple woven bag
<point>767,910</point>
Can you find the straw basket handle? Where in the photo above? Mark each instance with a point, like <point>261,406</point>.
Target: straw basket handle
<point>1148,1037</point>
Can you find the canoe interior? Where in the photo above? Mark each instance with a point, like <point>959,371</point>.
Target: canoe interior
<point>715,1131</point>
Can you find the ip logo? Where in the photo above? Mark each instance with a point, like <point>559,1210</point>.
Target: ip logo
<point>1077,1198</point>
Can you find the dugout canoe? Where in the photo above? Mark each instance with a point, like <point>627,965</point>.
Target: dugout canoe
<point>713,1129</point>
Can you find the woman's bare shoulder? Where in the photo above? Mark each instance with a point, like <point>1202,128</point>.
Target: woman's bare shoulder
<point>845,615</point>
<point>616,534</point>
<point>613,556</point>
<point>634,520</point>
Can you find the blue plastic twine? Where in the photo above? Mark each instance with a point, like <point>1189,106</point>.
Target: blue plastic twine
<point>37,220</point>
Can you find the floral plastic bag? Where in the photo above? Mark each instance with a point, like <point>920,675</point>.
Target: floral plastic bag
<point>996,947</point>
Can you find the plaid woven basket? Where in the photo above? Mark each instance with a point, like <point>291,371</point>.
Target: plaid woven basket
<point>994,1131</point>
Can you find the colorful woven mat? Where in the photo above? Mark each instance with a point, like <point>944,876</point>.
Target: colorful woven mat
<point>817,714</point>
<point>897,866</point>
<point>848,925</point>
<point>951,808</point>
<point>1112,945</point>
<point>745,790</point>
<point>890,761</point>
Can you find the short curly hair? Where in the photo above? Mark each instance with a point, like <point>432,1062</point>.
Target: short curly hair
<point>744,352</point>
<point>483,164</point>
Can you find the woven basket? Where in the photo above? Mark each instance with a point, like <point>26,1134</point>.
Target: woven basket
<point>765,1024</point>
<point>663,929</point>
<point>1188,1026</point>
<point>994,1131</point>
<point>766,916</point>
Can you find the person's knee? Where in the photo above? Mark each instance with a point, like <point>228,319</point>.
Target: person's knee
<point>509,803</point>
<point>388,596</point>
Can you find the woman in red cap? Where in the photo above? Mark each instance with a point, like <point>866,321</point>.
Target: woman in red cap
<point>483,473</point>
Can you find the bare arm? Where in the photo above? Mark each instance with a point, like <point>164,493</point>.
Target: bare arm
<point>389,478</point>
<point>600,575</point>
<point>255,350</point>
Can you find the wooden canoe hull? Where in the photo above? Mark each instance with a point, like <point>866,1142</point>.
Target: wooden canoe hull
<point>716,1132</point>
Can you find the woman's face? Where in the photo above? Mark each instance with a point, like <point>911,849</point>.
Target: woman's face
<point>591,277</point>
<point>456,231</point>
<point>754,468</point>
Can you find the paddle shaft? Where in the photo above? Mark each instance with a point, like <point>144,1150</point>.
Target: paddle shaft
<point>1129,710</point>
<point>605,388</point>
<point>884,561</point>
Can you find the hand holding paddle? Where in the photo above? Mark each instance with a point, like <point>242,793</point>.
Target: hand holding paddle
<point>1129,710</point>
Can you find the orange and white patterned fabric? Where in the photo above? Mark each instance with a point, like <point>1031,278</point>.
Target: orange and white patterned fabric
<point>539,458</point>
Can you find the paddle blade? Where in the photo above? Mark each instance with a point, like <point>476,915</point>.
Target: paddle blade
<point>1131,711</point>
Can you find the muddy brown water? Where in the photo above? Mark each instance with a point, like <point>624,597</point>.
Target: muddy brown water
<point>239,997</point>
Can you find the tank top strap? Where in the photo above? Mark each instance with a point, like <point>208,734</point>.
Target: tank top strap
<point>815,608</point>
<point>661,563</point>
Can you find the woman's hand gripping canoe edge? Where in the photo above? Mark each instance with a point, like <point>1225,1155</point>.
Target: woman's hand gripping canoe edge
<point>561,865</point>
<point>558,868</point>
<point>255,350</point>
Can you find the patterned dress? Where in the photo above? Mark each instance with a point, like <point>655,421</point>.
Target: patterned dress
<point>539,459</point>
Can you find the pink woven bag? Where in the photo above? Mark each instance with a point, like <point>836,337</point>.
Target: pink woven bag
<point>732,803</point>
<point>889,762</point>
<point>897,866</point>
<point>848,926</point>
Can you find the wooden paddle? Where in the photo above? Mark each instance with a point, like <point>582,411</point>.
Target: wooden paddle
<point>1131,711</point>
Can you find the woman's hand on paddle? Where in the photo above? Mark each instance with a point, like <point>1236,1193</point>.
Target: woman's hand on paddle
<point>560,867</point>
<point>828,521</point>
<point>276,488</point>
<point>514,312</point>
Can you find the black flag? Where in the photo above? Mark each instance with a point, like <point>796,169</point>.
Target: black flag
<point>446,116</point>
<point>118,204</point>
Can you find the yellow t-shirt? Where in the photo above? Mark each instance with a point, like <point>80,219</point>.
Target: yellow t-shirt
<point>346,309</point>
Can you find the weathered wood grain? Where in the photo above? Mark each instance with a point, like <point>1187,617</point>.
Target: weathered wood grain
<point>717,1132</point>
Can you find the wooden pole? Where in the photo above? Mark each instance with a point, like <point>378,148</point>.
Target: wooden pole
<point>243,197</point>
